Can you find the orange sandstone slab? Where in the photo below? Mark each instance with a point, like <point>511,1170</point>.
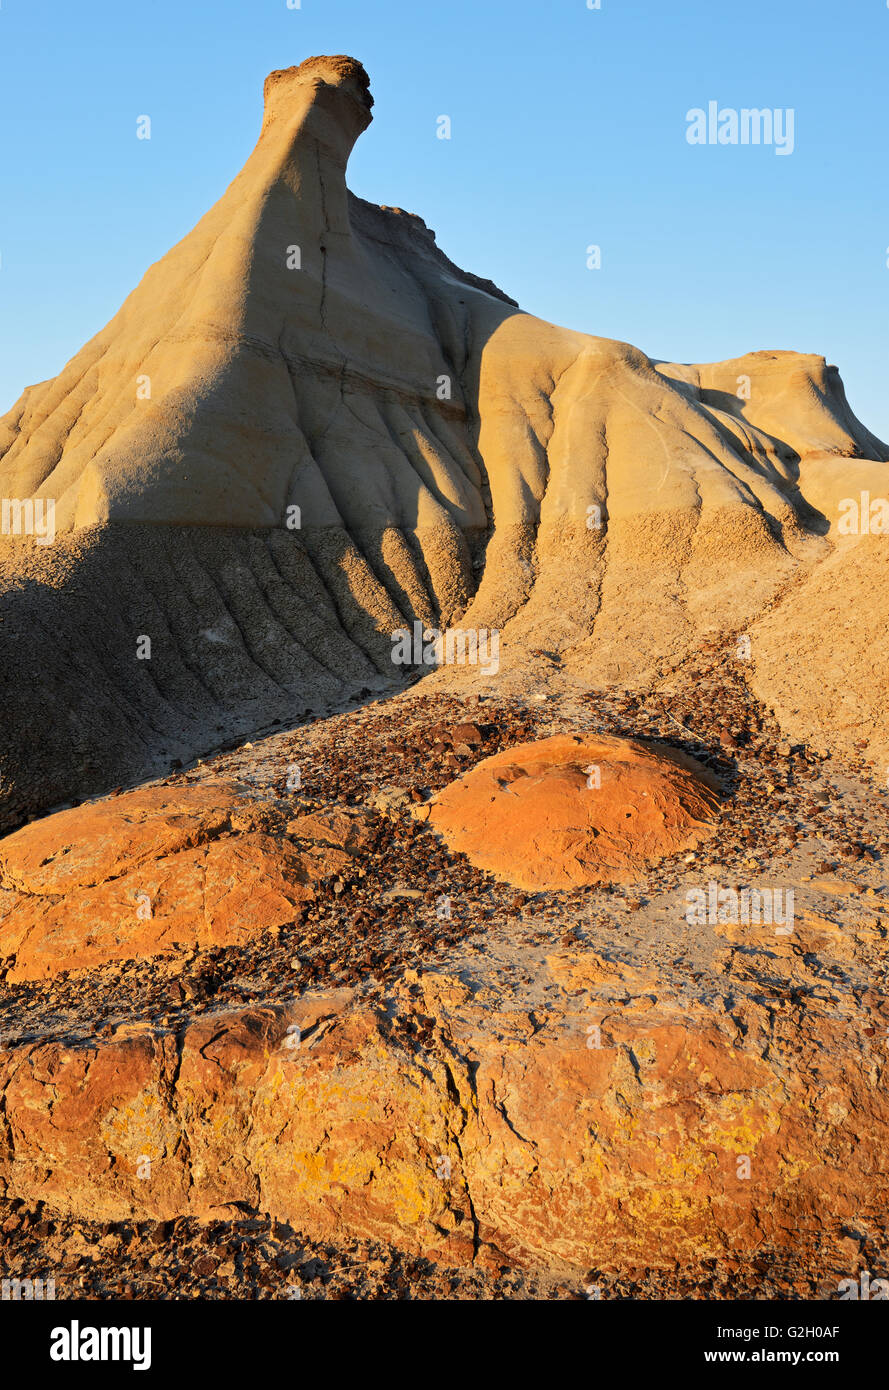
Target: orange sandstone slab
<point>567,811</point>
<point>156,868</point>
<point>547,1140</point>
<point>104,839</point>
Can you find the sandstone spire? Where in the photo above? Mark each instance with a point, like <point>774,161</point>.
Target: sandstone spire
<point>306,428</point>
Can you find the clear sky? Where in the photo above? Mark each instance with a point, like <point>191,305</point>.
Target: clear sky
<point>568,129</point>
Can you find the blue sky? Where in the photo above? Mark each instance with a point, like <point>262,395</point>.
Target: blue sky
<point>568,129</point>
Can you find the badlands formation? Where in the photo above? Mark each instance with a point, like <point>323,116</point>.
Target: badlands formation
<point>567,965</point>
<point>452,459</point>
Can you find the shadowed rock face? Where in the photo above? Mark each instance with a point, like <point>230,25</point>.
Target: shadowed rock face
<point>306,428</point>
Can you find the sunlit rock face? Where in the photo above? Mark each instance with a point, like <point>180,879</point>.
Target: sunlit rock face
<point>564,812</point>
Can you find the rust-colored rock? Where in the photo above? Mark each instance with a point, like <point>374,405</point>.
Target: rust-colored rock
<point>614,1129</point>
<point>567,811</point>
<point>157,868</point>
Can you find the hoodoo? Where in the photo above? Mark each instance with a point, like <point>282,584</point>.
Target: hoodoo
<point>307,429</point>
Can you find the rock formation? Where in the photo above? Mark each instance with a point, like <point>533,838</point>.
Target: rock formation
<point>563,812</point>
<point>306,440</point>
<point>156,869</point>
<point>614,1123</point>
<point>307,428</point>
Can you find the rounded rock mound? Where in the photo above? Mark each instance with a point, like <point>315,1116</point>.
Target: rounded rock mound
<point>158,868</point>
<point>567,811</point>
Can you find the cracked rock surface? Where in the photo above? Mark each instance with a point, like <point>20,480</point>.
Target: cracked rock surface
<point>576,1086</point>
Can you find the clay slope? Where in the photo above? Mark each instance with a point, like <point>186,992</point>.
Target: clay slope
<point>307,428</point>
<point>819,658</point>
